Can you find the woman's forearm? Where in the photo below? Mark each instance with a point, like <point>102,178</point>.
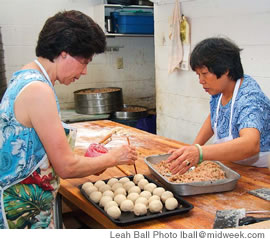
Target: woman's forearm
<point>247,145</point>
<point>82,166</point>
<point>78,166</point>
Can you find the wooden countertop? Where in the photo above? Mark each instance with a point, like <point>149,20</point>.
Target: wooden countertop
<point>205,206</point>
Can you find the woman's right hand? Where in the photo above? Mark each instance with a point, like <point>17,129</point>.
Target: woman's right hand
<point>182,159</point>
<point>124,155</point>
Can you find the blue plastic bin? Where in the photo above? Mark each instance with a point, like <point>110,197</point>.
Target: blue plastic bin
<point>136,22</point>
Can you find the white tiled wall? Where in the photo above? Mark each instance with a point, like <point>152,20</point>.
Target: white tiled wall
<point>21,22</point>
<point>182,104</point>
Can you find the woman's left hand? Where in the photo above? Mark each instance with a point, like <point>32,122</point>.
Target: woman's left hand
<point>182,159</point>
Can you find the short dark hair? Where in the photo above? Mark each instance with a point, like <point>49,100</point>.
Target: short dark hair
<point>72,32</point>
<point>219,55</point>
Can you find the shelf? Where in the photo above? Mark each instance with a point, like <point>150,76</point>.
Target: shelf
<point>128,35</point>
<point>101,11</point>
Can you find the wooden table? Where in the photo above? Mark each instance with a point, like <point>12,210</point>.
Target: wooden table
<point>205,206</point>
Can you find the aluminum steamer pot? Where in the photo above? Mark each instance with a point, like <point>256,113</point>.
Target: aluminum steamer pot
<point>98,100</point>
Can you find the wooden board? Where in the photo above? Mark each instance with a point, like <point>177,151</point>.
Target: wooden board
<point>202,216</point>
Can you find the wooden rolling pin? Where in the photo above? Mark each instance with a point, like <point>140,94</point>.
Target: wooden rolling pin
<point>134,162</point>
<point>106,139</point>
<point>126,172</point>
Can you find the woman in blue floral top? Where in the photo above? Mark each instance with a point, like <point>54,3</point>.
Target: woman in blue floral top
<point>239,116</point>
<point>34,151</point>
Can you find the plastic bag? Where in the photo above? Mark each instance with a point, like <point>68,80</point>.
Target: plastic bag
<point>95,150</point>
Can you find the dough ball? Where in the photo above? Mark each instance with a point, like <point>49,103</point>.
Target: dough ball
<point>119,198</point>
<point>86,185</point>
<point>124,180</point>
<point>112,181</point>
<point>116,185</point>
<point>150,187</point>
<point>104,199</point>
<point>142,183</point>
<point>146,194</point>
<point>166,195</point>
<point>95,196</point>
<point>110,204</point>
<point>120,191</point>
<point>158,191</point>
<point>134,189</point>
<point>155,206</point>
<point>90,189</point>
<point>104,188</point>
<point>114,212</point>
<point>128,185</point>
<point>133,196</point>
<point>140,209</point>
<point>127,206</point>
<point>108,193</point>
<point>154,197</point>
<point>99,183</point>
<point>171,203</point>
<point>142,200</point>
<point>137,178</point>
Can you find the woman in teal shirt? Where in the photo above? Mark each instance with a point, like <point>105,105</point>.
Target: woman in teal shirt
<point>34,151</point>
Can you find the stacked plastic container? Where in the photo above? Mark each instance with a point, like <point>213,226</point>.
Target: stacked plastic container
<point>133,22</point>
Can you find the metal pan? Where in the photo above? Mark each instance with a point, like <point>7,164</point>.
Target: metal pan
<point>186,189</point>
<point>128,218</point>
<point>131,112</point>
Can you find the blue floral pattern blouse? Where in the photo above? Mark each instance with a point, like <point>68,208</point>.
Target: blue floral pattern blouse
<point>251,110</point>
<point>28,183</point>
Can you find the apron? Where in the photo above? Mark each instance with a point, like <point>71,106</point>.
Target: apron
<point>28,184</point>
<point>258,160</point>
<point>44,72</point>
<point>71,132</point>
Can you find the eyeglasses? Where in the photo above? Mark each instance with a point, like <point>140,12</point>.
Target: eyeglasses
<point>81,60</point>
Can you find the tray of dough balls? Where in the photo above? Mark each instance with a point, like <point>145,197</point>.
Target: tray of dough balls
<point>207,177</point>
<point>133,199</point>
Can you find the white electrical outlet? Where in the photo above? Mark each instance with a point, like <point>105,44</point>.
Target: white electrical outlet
<point>120,63</point>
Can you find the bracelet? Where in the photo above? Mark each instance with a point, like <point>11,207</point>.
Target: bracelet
<point>201,153</point>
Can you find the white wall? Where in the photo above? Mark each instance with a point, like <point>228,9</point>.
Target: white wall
<point>182,104</point>
<point>21,22</point>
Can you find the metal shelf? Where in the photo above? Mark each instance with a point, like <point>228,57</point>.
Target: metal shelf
<point>128,35</point>
<point>105,9</point>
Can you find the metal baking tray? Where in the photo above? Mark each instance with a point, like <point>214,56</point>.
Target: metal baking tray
<point>128,218</point>
<point>194,188</point>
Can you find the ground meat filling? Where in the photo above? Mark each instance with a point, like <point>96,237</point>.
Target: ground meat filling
<point>206,171</point>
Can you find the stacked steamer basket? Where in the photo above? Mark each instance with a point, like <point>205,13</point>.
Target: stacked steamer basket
<point>3,84</point>
<point>98,100</point>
